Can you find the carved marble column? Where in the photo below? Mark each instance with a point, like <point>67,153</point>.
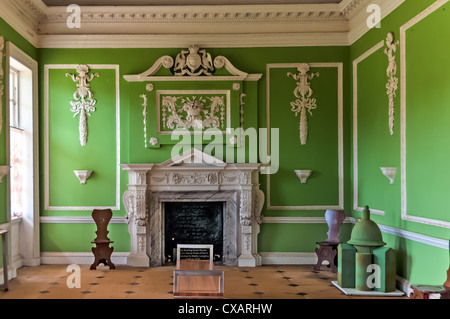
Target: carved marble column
<point>259,199</point>
<point>135,202</point>
<point>246,259</point>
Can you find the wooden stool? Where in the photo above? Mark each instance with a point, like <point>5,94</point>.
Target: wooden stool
<point>429,292</point>
<point>432,292</point>
<point>327,251</point>
<point>102,251</point>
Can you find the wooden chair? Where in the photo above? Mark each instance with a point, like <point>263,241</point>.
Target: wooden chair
<point>327,250</point>
<point>102,251</point>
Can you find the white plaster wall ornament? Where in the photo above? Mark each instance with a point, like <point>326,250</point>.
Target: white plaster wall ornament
<point>242,96</point>
<point>83,103</point>
<point>391,72</point>
<point>149,87</point>
<point>236,86</point>
<point>2,46</point>
<point>144,114</point>
<point>199,114</point>
<point>303,174</point>
<point>193,62</point>
<point>389,172</point>
<point>154,141</point>
<point>83,175</point>
<point>304,103</point>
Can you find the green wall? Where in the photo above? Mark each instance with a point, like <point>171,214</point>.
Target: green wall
<point>427,149</point>
<point>65,151</point>
<point>426,142</point>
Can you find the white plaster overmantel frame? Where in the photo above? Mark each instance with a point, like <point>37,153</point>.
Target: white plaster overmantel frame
<point>193,176</point>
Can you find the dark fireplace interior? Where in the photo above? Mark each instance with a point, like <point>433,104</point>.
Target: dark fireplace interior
<point>193,223</point>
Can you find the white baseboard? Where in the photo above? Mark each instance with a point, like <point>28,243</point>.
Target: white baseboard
<point>79,258</point>
<point>288,258</point>
<point>12,273</point>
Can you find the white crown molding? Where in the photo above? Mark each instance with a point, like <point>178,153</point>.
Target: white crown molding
<point>181,26</point>
<point>358,22</point>
<point>202,40</point>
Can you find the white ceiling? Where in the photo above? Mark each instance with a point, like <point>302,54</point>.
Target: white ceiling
<point>180,2</point>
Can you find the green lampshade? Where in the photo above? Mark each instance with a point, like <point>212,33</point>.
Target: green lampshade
<point>366,234</point>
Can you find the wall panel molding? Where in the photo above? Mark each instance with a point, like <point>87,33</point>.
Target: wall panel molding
<point>403,108</point>
<point>340,141</point>
<point>47,69</point>
<point>358,60</point>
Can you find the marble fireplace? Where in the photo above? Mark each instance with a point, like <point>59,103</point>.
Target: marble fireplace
<point>193,177</point>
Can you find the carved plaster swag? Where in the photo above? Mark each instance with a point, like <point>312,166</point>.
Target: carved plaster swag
<point>193,176</point>
<point>83,103</point>
<point>391,72</point>
<point>304,102</point>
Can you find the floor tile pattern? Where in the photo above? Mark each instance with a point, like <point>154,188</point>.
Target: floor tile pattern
<point>267,282</point>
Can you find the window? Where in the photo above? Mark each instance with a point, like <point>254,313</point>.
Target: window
<point>16,144</point>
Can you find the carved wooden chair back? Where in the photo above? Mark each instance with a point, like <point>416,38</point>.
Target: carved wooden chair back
<point>102,217</point>
<point>334,219</point>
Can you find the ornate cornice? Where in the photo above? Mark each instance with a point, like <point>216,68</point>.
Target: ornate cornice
<point>276,25</point>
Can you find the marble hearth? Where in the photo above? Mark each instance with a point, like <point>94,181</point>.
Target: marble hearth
<point>190,177</point>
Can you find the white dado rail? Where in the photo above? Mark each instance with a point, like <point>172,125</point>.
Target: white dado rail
<point>193,176</point>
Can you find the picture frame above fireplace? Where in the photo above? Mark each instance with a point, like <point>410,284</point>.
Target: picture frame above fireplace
<point>190,95</point>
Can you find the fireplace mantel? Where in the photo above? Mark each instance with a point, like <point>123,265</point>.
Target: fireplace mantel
<point>193,176</point>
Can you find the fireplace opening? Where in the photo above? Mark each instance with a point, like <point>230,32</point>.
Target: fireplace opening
<point>193,223</point>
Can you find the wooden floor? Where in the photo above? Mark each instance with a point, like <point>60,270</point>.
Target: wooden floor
<point>267,282</point>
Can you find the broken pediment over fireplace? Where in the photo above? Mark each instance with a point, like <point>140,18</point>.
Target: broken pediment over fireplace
<point>193,176</point>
